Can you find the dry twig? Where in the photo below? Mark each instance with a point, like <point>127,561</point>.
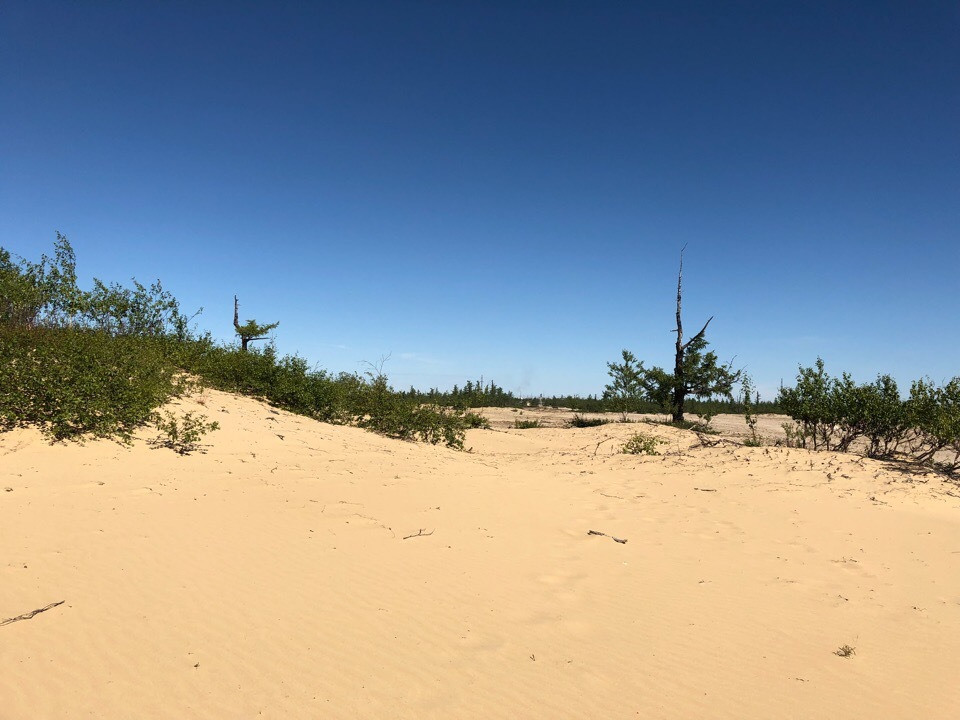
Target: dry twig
<point>27,616</point>
<point>420,533</point>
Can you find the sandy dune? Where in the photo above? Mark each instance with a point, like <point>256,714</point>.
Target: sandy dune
<point>276,576</point>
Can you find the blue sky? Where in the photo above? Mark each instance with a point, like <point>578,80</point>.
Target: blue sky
<point>503,188</point>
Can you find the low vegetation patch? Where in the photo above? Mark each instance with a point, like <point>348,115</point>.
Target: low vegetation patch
<point>835,413</point>
<point>73,382</point>
<point>579,421</point>
<point>526,424</point>
<point>472,420</point>
<point>700,426</point>
<point>642,444</point>
<point>99,363</point>
<point>181,434</point>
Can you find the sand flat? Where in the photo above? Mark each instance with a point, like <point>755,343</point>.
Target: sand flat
<point>301,570</point>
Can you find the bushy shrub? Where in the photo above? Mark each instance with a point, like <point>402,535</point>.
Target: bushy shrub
<point>642,444</point>
<point>526,424</point>
<point>99,363</point>
<point>71,383</point>
<point>472,420</point>
<point>579,421</point>
<point>749,410</point>
<point>934,415</point>
<point>182,434</point>
<point>833,413</point>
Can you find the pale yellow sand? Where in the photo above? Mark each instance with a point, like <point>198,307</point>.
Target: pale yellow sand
<point>270,577</point>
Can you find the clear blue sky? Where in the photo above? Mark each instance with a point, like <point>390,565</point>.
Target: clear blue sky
<point>503,188</point>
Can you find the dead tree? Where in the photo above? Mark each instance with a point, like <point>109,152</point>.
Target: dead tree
<point>680,387</point>
<point>251,330</point>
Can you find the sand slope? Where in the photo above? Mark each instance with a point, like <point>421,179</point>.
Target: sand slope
<point>270,577</point>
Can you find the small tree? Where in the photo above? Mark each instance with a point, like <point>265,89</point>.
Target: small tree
<point>251,330</point>
<point>625,385</point>
<point>750,409</point>
<point>695,372</point>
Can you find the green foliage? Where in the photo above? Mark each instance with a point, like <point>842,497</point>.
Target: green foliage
<point>833,413</point>
<point>749,411</point>
<point>934,415</point>
<point>250,330</point>
<point>181,435</point>
<point>625,386</point>
<point>704,378</point>
<point>99,363</point>
<point>809,404</point>
<point>40,293</point>
<point>579,421</point>
<point>139,310</point>
<point>642,444</point>
<point>75,382</point>
<point>473,394</point>
<point>472,420</point>
<point>526,424</point>
<point>695,373</point>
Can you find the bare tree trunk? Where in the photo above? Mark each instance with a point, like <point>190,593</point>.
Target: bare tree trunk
<point>236,323</point>
<point>679,378</point>
<point>679,385</point>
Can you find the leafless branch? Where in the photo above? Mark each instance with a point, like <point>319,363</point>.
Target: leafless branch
<point>622,541</point>
<point>27,616</point>
<point>420,533</point>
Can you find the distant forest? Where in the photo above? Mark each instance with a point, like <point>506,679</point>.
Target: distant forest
<point>477,394</point>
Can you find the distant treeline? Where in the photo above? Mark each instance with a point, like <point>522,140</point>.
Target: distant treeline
<point>480,393</point>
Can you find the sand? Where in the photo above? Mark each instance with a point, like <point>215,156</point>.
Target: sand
<point>302,570</point>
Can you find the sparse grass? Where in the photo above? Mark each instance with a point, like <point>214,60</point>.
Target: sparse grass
<point>526,424</point>
<point>845,651</point>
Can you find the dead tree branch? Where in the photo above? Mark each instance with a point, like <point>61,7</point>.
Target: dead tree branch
<point>622,541</point>
<point>420,533</point>
<point>27,616</point>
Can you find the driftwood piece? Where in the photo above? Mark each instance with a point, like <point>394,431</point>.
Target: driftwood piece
<point>622,541</point>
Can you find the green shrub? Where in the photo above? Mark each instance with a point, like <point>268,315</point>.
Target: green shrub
<point>749,410</point>
<point>641,444</point>
<point>832,413</point>
<point>100,362</point>
<point>183,435</point>
<point>526,424</point>
<point>472,420</point>
<point>579,421</point>
<point>934,415</point>
<point>71,383</point>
